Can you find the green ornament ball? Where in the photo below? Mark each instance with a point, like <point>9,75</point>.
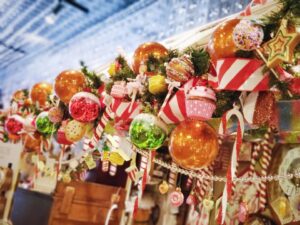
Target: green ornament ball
<point>44,125</point>
<point>147,131</point>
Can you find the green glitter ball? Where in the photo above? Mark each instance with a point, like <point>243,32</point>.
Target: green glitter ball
<point>44,125</point>
<point>147,131</point>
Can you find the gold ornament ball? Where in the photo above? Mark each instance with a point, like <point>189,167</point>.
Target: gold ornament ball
<point>68,83</point>
<point>193,144</point>
<point>221,44</point>
<point>39,93</point>
<point>157,84</point>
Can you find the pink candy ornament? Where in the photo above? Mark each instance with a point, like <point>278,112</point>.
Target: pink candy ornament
<point>119,90</point>
<point>84,107</point>
<point>200,103</point>
<point>247,36</point>
<point>176,198</point>
<point>14,124</point>
<point>55,115</point>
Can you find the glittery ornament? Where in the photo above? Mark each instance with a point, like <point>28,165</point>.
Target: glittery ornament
<point>193,144</point>
<point>221,44</point>
<point>163,187</point>
<point>281,47</point>
<point>264,108</point>
<point>55,115</point>
<point>157,85</point>
<point>43,124</point>
<point>84,107</point>
<point>176,198</point>
<point>40,92</point>
<point>75,130</point>
<point>143,52</point>
<point>68,83</point>
<point>147,131</point>
<point>247,36</point>
<point>180,69</point>
<point>14,124</point>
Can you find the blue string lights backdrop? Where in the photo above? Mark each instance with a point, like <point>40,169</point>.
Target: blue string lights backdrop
<point>40,38</point>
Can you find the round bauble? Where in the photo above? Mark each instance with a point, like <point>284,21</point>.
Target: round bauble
<point>180,69</point>
<point>193,144</point>
<point>14,124</point>
<point>55,115</point>
<point>40,92</point>
<point>147,131</point>
<point>44,125</point>
<point>61,137</point>
<point>142,53</point>
<point>84,107</point>
<point>75,130</point>
<point>157,84</point>
<point>248,36</point>
<point>68,83</point>
<point>163,187</point>
<point>221,44</point>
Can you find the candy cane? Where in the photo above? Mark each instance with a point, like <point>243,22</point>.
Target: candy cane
<point>107,115</point>
<point>189,182</point>
<point>202,185</point>
<point>266,159</point>
<point>231,172</point>
<point>172,177</point>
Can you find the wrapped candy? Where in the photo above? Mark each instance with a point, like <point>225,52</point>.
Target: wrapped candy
<point>14,124</point>
<point>55,115</point>
<point>200,103</point>
<point>180,69</point>
<point>247,36</point>
<point>147,131</point>
<point>44,125</point>
<point>84,107</point>
<point>75,130</point>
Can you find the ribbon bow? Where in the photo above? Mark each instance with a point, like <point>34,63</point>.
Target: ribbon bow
<point>136,86</point>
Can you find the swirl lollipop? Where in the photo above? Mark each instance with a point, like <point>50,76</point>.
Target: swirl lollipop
<point>176,198</point>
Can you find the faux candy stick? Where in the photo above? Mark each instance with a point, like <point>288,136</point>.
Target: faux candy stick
<point>172,177</point>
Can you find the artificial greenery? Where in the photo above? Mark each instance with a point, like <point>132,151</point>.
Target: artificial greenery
<point>225,100</point>
<point>93,79</point>
<point>124,72</point>
<point>200,59</point>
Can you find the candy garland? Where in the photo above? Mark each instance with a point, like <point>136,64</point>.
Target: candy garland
<point>267,146</point>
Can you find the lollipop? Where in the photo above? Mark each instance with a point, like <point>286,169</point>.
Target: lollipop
<point>147,131</point>
<point>84,107</point>
<point>176,198</point>
<point>75,130</point>
<point>61,137</point>
<point>180,69</point>
<point>43,124</point>
<point>247,36</point>
<point>55,115</point>
<point>14,124</point>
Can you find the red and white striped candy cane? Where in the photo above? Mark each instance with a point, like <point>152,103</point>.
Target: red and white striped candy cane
<point>202,185</point>
<point>267,146</point>
<point>173,177</point>
<point>107,115</point>
<point>231,172</point>
<point>189,182</point>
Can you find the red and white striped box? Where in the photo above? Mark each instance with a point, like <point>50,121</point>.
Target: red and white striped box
<point>239,74</point>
